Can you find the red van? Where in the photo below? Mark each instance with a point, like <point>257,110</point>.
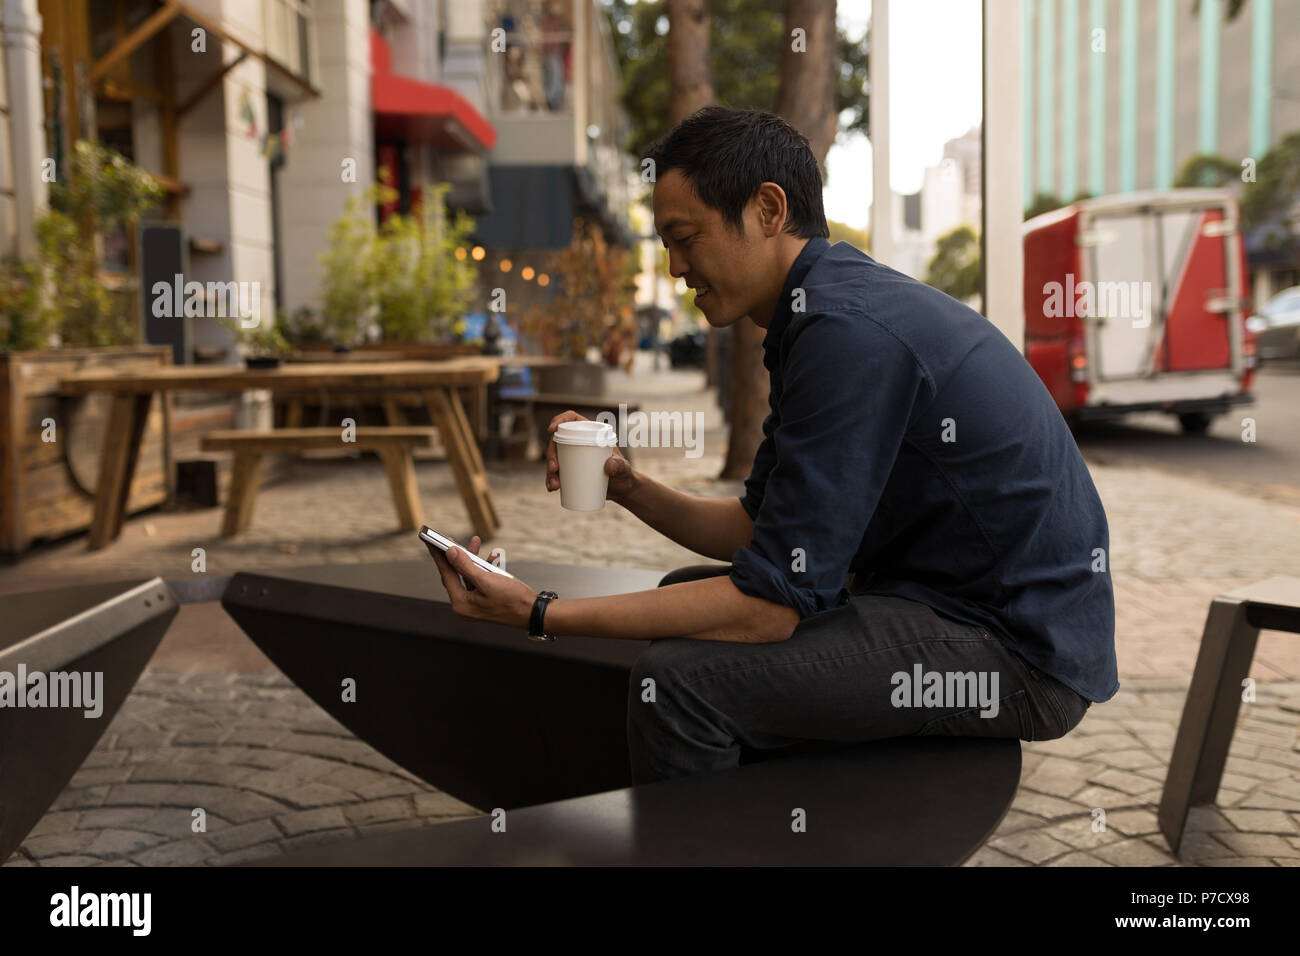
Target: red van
<point>1138,303</point>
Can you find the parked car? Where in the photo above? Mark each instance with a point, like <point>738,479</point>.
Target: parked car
<point>1137,303</point>
<point>1277,324</point>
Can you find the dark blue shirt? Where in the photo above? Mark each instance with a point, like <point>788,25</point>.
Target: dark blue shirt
<point>910,443</point>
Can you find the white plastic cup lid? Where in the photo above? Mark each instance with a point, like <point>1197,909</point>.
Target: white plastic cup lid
<point>585,433</point>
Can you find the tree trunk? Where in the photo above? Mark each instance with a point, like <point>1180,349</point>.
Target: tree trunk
<point>808,79</point>
<point>807,102</point>
<point>690,81</point>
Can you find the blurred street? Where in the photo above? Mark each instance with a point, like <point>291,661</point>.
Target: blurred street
<point>1270,465</point>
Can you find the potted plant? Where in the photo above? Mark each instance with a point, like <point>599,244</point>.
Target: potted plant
<point>400,280</point>
<point>593,304</point>
<point>60,313</point>
<point>264,346</point>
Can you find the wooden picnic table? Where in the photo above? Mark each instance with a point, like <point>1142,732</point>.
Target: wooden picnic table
<point>479,401</point>
<point>132,394</point>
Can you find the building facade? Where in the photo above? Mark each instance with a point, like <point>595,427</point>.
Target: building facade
<point>262,118</point>
<point>949,197</point>
<point>1120,94</point>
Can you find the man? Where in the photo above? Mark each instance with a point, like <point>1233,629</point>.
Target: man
<point>909,443</point>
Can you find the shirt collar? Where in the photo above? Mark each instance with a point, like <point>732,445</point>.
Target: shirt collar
<point>803,263</point>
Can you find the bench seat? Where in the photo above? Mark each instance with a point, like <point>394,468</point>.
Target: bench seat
<point>540,730</point>
<point>393,444</point>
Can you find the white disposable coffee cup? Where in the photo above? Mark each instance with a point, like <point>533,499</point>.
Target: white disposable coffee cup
<point>582,449</point>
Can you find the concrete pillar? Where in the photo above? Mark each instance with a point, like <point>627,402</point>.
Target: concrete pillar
<point>882,206</point>
<point>585,46</point>
<point>21,26</point>
<point>336,128</point>
<point>1002,156</point>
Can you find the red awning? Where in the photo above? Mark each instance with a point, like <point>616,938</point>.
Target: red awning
<point>419,112</point>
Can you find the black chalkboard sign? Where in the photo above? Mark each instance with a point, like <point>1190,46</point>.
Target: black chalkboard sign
<point>162,259</point>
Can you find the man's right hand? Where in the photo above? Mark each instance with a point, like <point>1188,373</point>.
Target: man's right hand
<point>621,477</point>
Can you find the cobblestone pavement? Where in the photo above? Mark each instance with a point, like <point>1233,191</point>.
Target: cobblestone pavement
<point>213,724</point>
<point>270,770</point>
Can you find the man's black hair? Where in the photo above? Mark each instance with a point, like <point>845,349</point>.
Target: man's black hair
<point>727,154</point>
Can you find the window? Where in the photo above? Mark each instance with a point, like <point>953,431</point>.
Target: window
<point>287,26</point>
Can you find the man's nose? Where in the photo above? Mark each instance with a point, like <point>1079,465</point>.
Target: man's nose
<point>677,265</point>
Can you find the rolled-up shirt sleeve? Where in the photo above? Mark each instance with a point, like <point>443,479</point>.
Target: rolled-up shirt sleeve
<point>849,391</point>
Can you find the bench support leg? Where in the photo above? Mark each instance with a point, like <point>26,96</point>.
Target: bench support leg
<point>245,476</point>
<point>1209,716</point>
<point>399,464</point>
<point>466,462</point>
<point>393,411</point>
<point>123,434</point>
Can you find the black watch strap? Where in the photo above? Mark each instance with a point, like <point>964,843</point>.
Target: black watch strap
<point>536,621</point>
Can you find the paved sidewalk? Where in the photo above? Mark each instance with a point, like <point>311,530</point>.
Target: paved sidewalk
<point>213,724</point>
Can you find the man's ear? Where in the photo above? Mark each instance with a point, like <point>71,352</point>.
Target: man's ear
<point>770,202</point>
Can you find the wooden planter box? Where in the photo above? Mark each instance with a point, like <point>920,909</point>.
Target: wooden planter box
<point>47,489</point>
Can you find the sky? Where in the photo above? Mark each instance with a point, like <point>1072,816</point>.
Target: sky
<point>935,80</point>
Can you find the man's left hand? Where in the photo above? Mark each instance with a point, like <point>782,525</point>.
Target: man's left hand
<point>495,598</point>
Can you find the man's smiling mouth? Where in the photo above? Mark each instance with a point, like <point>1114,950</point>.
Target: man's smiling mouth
<point>700,291</point>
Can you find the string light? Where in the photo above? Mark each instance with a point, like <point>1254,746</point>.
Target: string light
<point>506,265</point>
<point>543,279</point>
<point>527,273</point>
<point>478,253</point>
<point>461,253</point>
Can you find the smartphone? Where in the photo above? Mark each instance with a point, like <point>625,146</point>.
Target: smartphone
<point>435,540</point>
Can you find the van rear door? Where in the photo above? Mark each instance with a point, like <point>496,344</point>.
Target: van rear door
<point>1162,276</point>
<point>1203,309</point>
<point>1120,296</point>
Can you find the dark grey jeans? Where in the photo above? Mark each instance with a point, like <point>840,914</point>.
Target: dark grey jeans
<point>878,667</point>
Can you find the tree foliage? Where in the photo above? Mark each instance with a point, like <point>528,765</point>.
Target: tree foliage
<point>1272,202</point>
<point>1206,170</point>
<point>747,38</point>
<point>1046,202</point>
<point>1231,10</point>
<point>859,238</point>
<point>955,268</point>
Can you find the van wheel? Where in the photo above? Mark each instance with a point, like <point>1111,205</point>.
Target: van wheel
<point>1194,423</point>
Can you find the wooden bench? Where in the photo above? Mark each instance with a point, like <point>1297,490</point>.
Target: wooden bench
<point>393,445</point>
<point>1214,698</point>
<point>540,730</point>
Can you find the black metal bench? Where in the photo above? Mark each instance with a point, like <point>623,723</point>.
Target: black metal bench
<point>928,801</point>
<point>1214,698</point>
<point>539,730</point>
<point>111,629</point>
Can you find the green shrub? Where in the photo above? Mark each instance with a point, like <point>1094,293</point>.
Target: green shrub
<point>402,275</point>
<point>60,298</point>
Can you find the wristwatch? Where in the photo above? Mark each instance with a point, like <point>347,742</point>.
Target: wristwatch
<point>536,627</point>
